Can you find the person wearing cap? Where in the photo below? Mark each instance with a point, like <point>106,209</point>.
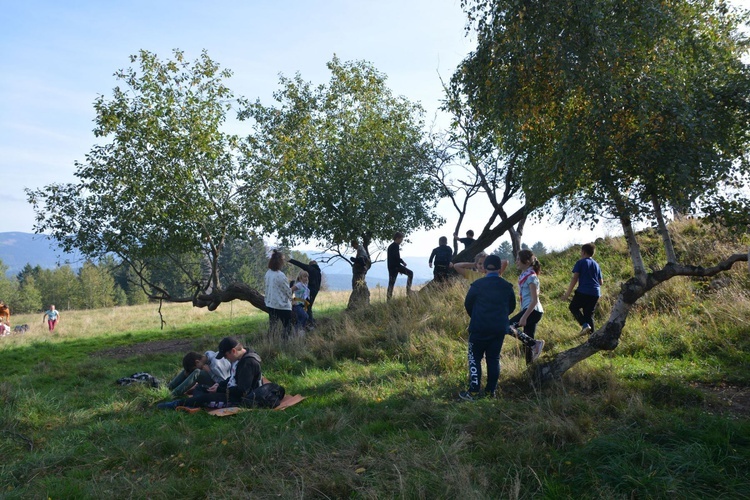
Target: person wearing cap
<point>489,302</point>
<point>244,376</point>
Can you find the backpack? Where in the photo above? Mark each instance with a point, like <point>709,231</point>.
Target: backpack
<point>266,396</point>
<point>140,377</point>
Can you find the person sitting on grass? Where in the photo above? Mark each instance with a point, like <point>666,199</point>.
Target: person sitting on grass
<point>245,376</point>
<point>199,370</point>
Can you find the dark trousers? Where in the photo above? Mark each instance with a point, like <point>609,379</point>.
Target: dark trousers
<point>441,273</point>
<point>490,350</point>
<point>202,398</point>
<point>283,316</point>
<point>582,306</point>
<point>529,330</point>
<point>311,319</point>
<point>393,274</point>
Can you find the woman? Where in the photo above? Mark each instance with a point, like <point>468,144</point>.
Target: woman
<point>531,307</point>
<point>278,295</point>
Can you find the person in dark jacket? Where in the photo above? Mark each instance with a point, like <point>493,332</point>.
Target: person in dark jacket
<point>244,377</point>
<point>442,256</point>
<point>396,265</point>
<point>316,278</point>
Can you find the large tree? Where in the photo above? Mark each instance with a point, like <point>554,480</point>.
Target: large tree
<point>350,161</point>
<point>616,109</point>
<point>168,186</point>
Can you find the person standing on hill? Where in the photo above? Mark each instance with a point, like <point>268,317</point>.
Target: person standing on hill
<point>278,297</point>
<point>588,275</point>
<point>397,266</point>
<point>53,316</point>
<point>442,256</point>
<point>316,278</point>
<point>488,303</point>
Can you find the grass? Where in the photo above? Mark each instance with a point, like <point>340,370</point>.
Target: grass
<point>381,418</point>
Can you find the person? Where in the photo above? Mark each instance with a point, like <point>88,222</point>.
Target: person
<point>53,316</point>
<point>278,297</point>
<point>588,275</point>
<point>316,279</point>
<point>397,266</point>
<point>244,377</point>
<point>472,271</point>
<point>199,369</point>
<point>300,299</point>
<point>468,241</point>
<point>4,328</point>
<point>361,257</point>
<point>531,306</point>
<point>442,256</point>
<point>489,302</point>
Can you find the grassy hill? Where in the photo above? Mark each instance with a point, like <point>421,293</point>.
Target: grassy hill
<point>664,415</point>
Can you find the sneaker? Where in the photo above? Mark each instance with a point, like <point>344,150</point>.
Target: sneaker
<point>585,329</point>
<point>468,395</point>
<point>169,405</point>
<point>537,350</point>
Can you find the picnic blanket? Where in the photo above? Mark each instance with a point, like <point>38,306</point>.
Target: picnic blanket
<point>233,410</point>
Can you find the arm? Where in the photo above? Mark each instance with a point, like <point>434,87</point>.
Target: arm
<point>462,267</point>
<point>573,281</point>
<point>432,256</point>
<point>299,264</point>
<point>532,305</point>
<point>471,297</point>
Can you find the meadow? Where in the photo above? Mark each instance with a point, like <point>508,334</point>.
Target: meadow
<point>665,415</point>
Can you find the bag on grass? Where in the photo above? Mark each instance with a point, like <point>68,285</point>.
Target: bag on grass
<point>140,377</point>
<point>266,396</point>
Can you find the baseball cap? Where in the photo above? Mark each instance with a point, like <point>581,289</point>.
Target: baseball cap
<point>226,344</point>
<point>492,263</point>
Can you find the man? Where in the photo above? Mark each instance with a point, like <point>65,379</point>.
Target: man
<point>397,266</point>
<point>588,275</point>
<point>244,376</point>
<point>442,256</point>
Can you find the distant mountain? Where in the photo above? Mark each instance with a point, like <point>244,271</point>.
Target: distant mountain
<point>19,249</point>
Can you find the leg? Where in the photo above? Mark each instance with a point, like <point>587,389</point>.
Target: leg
<point>179,379</point>
<point>285,315</point>
<point>188,381</point>
<point>575,307</point>
<point>476,353</point>
<point>409,277</point>
<point>391,282</point>
<point>493,365</point>
<point>311,319</point>
<point>530,331</point>
<point>588,306</point>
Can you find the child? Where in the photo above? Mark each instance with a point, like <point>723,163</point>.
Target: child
<point>472,271</point>
<point>489,302</point>
<point>531,307</point>
<point>199,369</point>
<point>300,299</point>
<point>397,266</point>
<point>52,315</point>
<point>468,241</point>
<point>442,256</point>
<point>588,275</point>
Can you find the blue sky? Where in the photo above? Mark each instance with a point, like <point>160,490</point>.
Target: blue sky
<point>57,57</point>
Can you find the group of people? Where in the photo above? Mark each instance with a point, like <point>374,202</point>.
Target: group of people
<point>290,305</point>
<point>491,300</point>
<point>51,315</point>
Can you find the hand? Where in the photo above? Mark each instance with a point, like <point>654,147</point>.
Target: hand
<point>450,265</point>
<point>522,322</point>
<point>430,264</point>
<point>213,388</point>
<point>565,296</point>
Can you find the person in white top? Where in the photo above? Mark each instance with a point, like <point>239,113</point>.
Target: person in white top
<point>278,297</point>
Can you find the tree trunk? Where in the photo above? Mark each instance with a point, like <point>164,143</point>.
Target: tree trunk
<point>488,237</point>
<point>234,291</point>
<point>516,233</point>
<point>635,250</point>
<point>608,336</point>
<point>666,238</point>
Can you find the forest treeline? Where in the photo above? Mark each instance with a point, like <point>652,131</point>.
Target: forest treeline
<point>109,282</point>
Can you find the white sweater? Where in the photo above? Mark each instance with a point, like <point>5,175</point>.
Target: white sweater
<point>278,292</point>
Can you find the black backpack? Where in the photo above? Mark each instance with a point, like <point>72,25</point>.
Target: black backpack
<point>266,396</point>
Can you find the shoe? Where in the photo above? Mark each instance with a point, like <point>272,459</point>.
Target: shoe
<point>585,329</point>
<point>490,395</point>
<point>468,395</point>
<point>169,405</point>
<point>537,350</point>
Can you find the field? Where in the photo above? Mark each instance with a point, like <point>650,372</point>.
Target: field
<point>665,415</point>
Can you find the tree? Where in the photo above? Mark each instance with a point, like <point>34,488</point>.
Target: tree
<point>61,287</point>
<point>351,161</point>
<point>504,251</point>
<point>167,188</point>
<point>538,248</point>
<point>97,286</point>
<point>618,109</point>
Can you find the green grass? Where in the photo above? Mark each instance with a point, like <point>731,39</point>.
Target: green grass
<point>381,418</point>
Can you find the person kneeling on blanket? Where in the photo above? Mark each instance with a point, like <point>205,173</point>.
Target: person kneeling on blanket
<point>244,387</point>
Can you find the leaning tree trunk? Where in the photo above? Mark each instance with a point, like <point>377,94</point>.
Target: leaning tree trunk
<point>488,237</point>
<point>234,291</point>
<point>360,296</point>
<point>608,337</point>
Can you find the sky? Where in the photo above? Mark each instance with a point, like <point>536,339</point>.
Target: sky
<point>57,57</point>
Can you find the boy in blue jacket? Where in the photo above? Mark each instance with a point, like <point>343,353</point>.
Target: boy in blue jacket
<point>489,302</point>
